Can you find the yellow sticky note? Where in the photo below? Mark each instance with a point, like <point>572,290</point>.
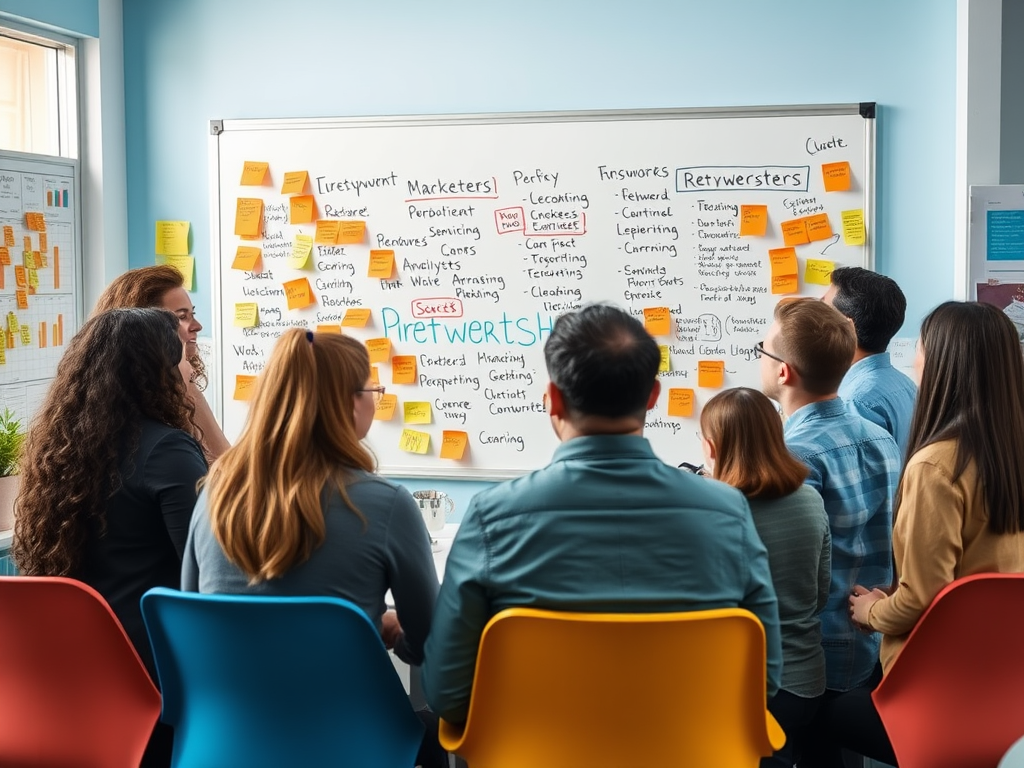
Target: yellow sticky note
<point>417,412</point>
<point>26,336</point>
<point>658,321</point>
<point>710,373</point>
<point>375,375</point>
<point>22,296</point>
<point>355,318</point>
<point>247,314</point>
<point>818,227</point>
<point>385,407</point>
<point>382,264</point>
<point>666,359</point>
<point>330,328</point>
<point>302,246</point>
<point>352,232</point>
<point>453,444</point>
<point>244,386</point>
<point>12,322</point>
<point>33,277</point>
<point>20,276</point>
<point>836,176</point>
<point>186,265</point>
<point>327,231</point>
<point>783,261</point>
<point>785,283</point>
<point>298,293</point>
<point>853,227</point>
<point>302,209</point>
<point>403,369</point>
<point>294,182</point>
<point>794,232</point>
<point>680,402</point>
<point>172,238</point>
<point>35,222</point>
<point>414,442</point>
<point>246,257</point>
<point>253,173</point>
<point>818,272</point>
<point>753,220</point>
<point>379,349</point>
<point>248,216</point>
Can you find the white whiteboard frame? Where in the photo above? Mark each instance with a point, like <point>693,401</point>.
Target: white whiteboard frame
<point>219,127</point>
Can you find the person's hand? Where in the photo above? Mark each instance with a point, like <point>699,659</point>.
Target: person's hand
<point>860,605</point>
<point>390,629</point>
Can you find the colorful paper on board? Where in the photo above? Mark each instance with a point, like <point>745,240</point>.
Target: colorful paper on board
<point>172,238</point>
<point>794,232</point>
<point>853,227</point>
<point>783,261</point>
<point>836,176</point>
<point>302,209</point>
<point>385,408</point>
<point>244,386</point>
<point>818,227</point>
<point>43,242</point>
<point>186,265</point>
<point>710,373</point>
<point>21,294</point>
<point>375,375</point>
<point>247,314</point>
<point>246,257</point>
<point>302,246</point>
<point>35,222</point>
<point>20,276</point>
<point>298,293</point>
<point>352,232</point>
<point>680,403</point>
<point>412,441</point>
<point>379,349</point>
<point>329,328</point>
<point>26,336</point>
<point>658,321</point>
<point>753,220</point>
<point>453,444</point>
<point>8,235</point>
<point>249,216</point>
<point>785,284</point>
<point>666,359</point>
<point>327,231</point>
<point>253,173</point>
<point>382,264</point>
<point>818,272</point>
<point>355,318</point>
<point>403,369</point>
<point>417,412</point>
<point>5,256</point>
<point>294,182</point>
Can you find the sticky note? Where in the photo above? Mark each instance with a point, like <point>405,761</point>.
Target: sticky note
<point>244,386</point>
<point>818,227</point>
<point>327,231</point>
<point>794,232</point>
<point>8,235</point>
<point>302,246</point>
<point>26,336</point>
<point>783,261</point>
<point>818,272</point>
<point>248,216</point>
<point>666,359</point>
<point>403,369</point>
<point>172,238</point>
<point>253,173</point>
<point>375,375</point>
<point>302,209</point>
<point>680,402</point>
<point>22,296</point>
<point>453,444</point>
<point>710,373</point>
<point>417,412</point>
<point>298,293</point>
<point>294,182</point>
<point>379,349</point>
<point>382,264</point>
<point>853,227</point>
<point>28,244</point>
<point>246,257</point>
<point>20,276</point>
<point>329,328</point>
<point>836,176</point>
<point>12,322</point>
<point>5,256</point>
<point>35,222</point>
<point>658,321</point>
<point>785,283</point>
<point>352,232</point>
<point>414,442</point>
<point>247,314</point>
<point>33,277</point>
<point>186,265</point>
<point>355,318</point>
<point>753,220</point>
<point>43,242</point>
<point>385,407</point>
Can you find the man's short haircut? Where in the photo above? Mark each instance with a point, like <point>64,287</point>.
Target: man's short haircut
<point>603,361</point>
<point>816,340</point>
<point>874,302</point>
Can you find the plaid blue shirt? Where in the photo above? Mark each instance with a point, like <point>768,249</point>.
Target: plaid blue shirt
<point>882,395</point>
<point>855,467</point>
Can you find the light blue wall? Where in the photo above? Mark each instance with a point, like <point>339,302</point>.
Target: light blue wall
<point>190,61</point>
<point>80,18</point>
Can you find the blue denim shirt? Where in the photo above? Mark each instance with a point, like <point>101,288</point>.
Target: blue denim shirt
<point>855,466</point>
<point>605,527</point>
<point>882,395</point>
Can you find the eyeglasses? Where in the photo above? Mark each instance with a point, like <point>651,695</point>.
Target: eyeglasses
<point>378,392</point>
<point>760,350</point>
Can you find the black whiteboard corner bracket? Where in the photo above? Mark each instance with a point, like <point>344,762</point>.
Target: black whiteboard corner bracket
<point>867,110</point>
<point>216,127</point>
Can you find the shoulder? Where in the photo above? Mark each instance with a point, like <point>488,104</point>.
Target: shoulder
<point>158,441</point>
<point>376,492</point>
<point>939,456</point>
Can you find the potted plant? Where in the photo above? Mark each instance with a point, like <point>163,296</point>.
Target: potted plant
<point>12,436</point>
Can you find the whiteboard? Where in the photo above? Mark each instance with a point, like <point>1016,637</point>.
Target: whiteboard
<point>40,296</point>
<point>499,223</point>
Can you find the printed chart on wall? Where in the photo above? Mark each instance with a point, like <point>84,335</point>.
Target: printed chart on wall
<point>450,245</point>
<point>996,273</point>
<point>38,275</point>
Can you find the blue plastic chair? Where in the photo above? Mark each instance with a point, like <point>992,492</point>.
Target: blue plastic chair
<point>265,682</point>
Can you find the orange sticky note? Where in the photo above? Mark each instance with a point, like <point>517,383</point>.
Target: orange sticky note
<point>28,244</point>
<point>710,373</point>
<point>8,235</point>
<point>417,412</point>
<point>414,442</point>
<point>379,349</point>
<point>665,363</point>
<point>818,227</point>
<point>836,176</point>
<point>658,321</point>
<point>753,220</point>
<point>246,257</point>
<point>382,264</point>
<point>330,328</point>
<point>352,232</point>
<point>375,375</point>
<point>43,242</point>
<point>298,293</point>
<point>785,283</point>
<point>294,182</point>
<point>22,295</point>
<point>818,272</point>
<point>783,261</point>
<point>327,231</point>
<point>385,408</point>
<point>403,369</point>
<point>244,387</point>
<point>303,209</point>
<point>35,222</point>
<point>355,318</point>
<point>680,402</point>
<point>253,173</point>
<point>248,216</point>
<point>5,255</point>
<point>453,444</point>
<point>794,232</point>
<point>20,276</point>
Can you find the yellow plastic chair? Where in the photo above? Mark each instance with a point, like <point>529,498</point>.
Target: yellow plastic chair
<point>594,690</point>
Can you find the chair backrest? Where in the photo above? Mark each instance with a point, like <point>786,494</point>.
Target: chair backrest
<point>73,691</point>
<point>577,689</point>
<point>274,681</point>
<point>954,697</point>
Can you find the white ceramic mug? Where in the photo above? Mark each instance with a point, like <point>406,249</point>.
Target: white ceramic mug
<point>435,506</point>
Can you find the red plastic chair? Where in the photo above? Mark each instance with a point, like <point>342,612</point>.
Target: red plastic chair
<point>73,691</point>
<point>954,698</point>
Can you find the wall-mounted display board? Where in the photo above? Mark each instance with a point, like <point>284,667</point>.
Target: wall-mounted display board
<point>996,258</point>
<point>450,245</point>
